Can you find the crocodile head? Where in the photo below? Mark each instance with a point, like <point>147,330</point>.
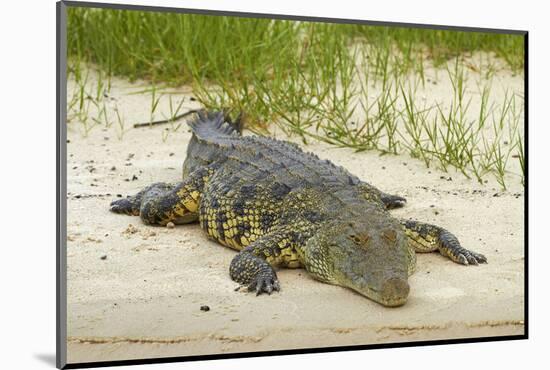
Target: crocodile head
<point>367,254</point>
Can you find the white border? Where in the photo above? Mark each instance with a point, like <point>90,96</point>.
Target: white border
<point>28,181</point>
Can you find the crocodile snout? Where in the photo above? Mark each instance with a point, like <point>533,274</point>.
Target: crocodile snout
<point>394,292</point>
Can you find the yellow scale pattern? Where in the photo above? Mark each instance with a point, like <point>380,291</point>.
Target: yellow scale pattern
<point>188,204</point>
<point>238,231</point>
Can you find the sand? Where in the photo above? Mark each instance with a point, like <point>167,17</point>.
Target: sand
<point>136,291</point>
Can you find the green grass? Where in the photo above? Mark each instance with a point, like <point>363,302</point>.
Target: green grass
<point>440,45</point>
<point>179,47</point>
<point>353,86</point>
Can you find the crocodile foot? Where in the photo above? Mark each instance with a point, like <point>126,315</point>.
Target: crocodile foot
<point>264,282</point>
<point>449,246</point>
<point>127,206</point>
<point>393,201</point>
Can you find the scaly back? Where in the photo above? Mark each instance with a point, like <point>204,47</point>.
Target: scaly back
<point>218,139</point>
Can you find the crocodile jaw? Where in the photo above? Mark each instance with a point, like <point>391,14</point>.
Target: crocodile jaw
<point>392,293</point>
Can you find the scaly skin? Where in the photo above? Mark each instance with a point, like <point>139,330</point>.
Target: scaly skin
<point>280,206</point>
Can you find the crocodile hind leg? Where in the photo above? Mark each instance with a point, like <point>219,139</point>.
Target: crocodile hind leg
<point>390,201</point>
<point>161,203</point>
<point>132,204</point>
<point>253,266</point>
<point>425,237</point>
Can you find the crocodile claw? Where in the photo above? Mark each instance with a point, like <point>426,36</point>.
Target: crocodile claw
<point>467,257</point>
<point>393,201</point>
<point>124,205</point>
<point>450,246</point>
<point>264,284</point>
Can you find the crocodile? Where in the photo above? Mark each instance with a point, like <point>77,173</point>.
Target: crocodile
<point>282,207</point>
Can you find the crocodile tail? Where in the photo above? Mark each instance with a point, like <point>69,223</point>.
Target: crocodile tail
<point>215,123</point>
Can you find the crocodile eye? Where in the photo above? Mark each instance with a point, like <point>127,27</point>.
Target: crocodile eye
<point>359,239</point>
<point>390,235</point>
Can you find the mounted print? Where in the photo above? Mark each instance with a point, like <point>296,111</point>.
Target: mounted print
<point>237,184</point>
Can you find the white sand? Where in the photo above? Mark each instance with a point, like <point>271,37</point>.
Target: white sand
<point>143,299</point>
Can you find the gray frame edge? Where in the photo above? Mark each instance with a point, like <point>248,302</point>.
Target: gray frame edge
<point>290,17</point>
<point>61,188</point>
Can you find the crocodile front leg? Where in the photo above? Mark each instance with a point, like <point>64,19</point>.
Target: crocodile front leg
<point>161,203</point>
<point>425,237</point>
<point>253,266</point>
